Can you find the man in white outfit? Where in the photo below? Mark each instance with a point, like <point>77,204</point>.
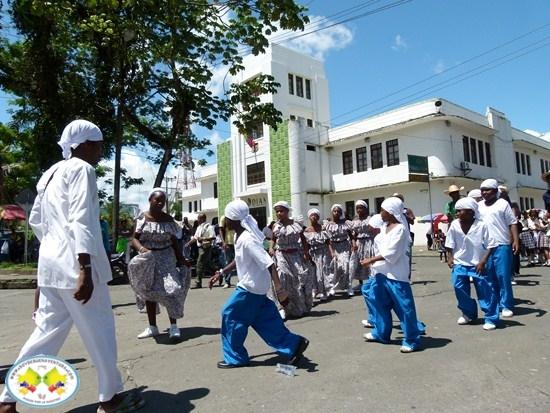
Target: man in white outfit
<point>73,268</point>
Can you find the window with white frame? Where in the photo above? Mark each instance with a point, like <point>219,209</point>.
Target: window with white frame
<point>392,152</point>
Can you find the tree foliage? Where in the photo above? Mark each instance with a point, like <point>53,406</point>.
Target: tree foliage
<point>154,59</point>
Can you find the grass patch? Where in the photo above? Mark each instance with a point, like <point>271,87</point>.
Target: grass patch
<point>14,267</point>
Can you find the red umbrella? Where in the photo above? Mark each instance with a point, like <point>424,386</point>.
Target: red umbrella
<point>12,213</point>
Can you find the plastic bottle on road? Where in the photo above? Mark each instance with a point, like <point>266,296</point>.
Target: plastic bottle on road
<point>286,369</point>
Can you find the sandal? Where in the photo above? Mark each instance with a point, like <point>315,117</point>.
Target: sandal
<point>130,403</point>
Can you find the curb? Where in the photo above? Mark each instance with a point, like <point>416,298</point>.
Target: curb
<point>18,283</point>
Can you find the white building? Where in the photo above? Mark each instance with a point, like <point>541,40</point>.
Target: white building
<point>310,164</point>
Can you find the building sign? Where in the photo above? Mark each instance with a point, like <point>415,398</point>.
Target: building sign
<point>418,168</point>
<point>255,202</point>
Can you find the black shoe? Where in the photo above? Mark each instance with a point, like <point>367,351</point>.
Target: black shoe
<point>302,346</point>
<point>224,365</point>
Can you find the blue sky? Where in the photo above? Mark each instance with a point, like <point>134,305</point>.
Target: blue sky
<point>371,57</point>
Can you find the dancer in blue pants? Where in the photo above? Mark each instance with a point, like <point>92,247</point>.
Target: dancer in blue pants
<point>249,305</point>
<point>467,245</point>
<point>390,288</point>
<point>500,220</point>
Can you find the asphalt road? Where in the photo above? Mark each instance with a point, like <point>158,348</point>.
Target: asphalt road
<point>460,369</point>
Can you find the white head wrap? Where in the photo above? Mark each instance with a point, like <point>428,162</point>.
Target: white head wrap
<point>362,203</point>
<point>314,211</point>
<point>342,216</point>
<point>396,207</point>
<point>283,204</point>
<point>474,193</point>
<point>237,210</point>
<point>489,184</point>
<point>158,189</point>
<point>468,203</point>
<point>376,221</point>
<point>77,132</point>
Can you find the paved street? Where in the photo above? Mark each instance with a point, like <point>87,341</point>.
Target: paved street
<point>461,369</point>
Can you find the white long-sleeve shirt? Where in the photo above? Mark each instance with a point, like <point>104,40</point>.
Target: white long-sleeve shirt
<point>394,247</point>
<point>65,218</point>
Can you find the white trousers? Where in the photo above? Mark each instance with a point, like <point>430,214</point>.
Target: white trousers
<point>57,312</point>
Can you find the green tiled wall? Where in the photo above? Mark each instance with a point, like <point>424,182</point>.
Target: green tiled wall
<point>224,176</point>
<point>280,165</point>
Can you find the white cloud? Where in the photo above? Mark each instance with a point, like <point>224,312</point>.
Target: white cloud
<point>221,80</point>
<point>439,67</point>
<point>319,43</point>
<point>399,43</point>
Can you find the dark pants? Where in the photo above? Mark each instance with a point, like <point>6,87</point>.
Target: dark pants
<point>229,254</point>
<point>204,262</point>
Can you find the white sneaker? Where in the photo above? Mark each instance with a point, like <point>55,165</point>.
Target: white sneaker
<point>463,320</point>
<point>406,349</point>
<point>282,313</point>
<point>331,292</point>
<point>174,332</point>
<point>322,297</point>
<point>507,313</point>
<point>366,324</point>
<point>489,326</point>
<point>150,331</point>
<point>351,293</point>
<point>369,337</point>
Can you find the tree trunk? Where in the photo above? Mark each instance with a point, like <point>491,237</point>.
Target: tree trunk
<point>166,158</point>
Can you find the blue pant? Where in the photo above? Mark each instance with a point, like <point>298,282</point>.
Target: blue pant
<point>488,301</point>
<point>366,290</point>
<point>243,310</point>
<point>386,295</point>
<point>499,266</point>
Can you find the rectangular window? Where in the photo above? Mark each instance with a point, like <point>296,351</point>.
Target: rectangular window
<point>255,173</point>
<point>521,204</point>
<point>518,167</point>
<point>378,202</point>
<point>308,89</point>
<point>523,169</point>
<point>257,130</point>
<point>392,152</point>
<point>473,150</point>
<point>532,203</point>
<point>361,158</point>
<point>466,148</point>
<point>310,123</point>
<point>290,84</point>
<point>292,117</point>
<point>376,156</point>
<point>480,152</point>
<point>299,86</point>
<point>350,209</point>
<point>311,148</point>
<point>489,160</point>
<point>547,163</point>
<point>528,162</point>
<point>347,162</point>
<point>195,205</point>
<point>215,190</point>
<point>190,207</point>
<point>200,204</point>
<point>542,166</point>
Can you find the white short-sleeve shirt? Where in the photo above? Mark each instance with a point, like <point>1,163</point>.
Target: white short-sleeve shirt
<point>394,247</point>
<point>252,264</point>
<point>498,217</point>
<point>468,249</point>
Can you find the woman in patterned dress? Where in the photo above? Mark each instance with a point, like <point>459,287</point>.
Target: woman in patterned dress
<point>341,240</point>
<point>318,241</point>
<point>154,273</point>
<point>289,247</point>
<point>363,247</point>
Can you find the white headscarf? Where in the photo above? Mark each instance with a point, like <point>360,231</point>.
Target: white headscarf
<point>314,211</point>
<point>396,207</point>
<point>468,203</point>
<point>77,132</point>
<point>237,210</point>
<point>157,189</point>
<point>362,203</point>
<point>342,216</point>
<point>489,184</point>
<point>474,193</point>
<point>376,221</point>
<point>283,204</point>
